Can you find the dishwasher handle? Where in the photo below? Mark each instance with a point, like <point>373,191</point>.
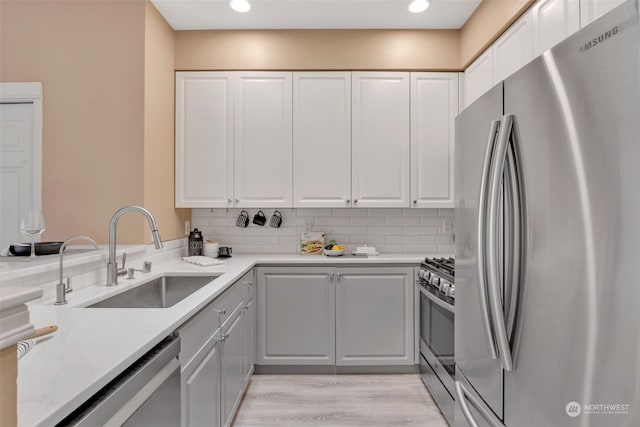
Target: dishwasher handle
<point>129,390</point>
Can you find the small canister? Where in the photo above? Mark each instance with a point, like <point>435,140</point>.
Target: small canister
<point>195,243</point>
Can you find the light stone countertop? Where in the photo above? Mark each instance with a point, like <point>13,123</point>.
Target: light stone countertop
<point>92,346</point>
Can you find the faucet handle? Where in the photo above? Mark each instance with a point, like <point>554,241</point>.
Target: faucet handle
<point>67,287</point>
<point>124,260</point>
<point>146,267</point>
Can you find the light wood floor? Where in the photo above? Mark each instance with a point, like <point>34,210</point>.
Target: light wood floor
<point>337,401</point>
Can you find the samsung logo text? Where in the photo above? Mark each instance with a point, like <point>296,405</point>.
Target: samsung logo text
<point>598,40</point>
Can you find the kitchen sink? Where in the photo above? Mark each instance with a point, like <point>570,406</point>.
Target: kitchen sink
<point>162,292</point>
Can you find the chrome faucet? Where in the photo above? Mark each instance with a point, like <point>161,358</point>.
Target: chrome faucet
<point>112,265</point>
<point>63,289</point>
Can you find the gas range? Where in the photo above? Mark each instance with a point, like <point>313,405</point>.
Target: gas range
<point>437,275</point>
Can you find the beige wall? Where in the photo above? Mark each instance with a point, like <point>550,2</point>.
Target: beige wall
<point>486,24</point>
<point>90,58</point>
<point>318,50</point>
<point>107,73</point>
<point>159,100</point>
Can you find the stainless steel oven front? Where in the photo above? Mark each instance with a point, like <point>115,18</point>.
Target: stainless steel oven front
<point>437,313</point>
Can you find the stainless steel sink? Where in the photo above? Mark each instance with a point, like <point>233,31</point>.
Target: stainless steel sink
<point>162,292</point>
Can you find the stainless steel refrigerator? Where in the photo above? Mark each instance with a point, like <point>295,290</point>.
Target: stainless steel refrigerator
<point>547,328</point>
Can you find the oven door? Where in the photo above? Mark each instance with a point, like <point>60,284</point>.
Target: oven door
<point>436,337</point>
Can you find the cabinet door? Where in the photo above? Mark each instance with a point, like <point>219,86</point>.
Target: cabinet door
<point>201,389</point>
<point>553,21</point>
<point>434,106</point>
<point>204,139</point>
<point>380,139</point>
<point>374,316</point>
<point>262,150</point>
<point>590,10</point>
<point>322,139</point>
<point>478,77</point>
<point>233,365</point>
<point>296,316</point>
<point>249,349</point>
<point>513,49</point>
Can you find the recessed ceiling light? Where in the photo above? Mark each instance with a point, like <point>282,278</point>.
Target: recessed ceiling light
<point>240,5</point>
<point>417,6</point>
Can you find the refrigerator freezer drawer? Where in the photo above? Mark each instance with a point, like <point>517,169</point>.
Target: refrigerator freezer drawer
<point>470,409</point>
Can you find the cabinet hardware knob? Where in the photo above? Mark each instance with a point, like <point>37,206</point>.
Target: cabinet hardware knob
<point>229,200</point>
<point>237,201</point>
<point>222,311</point>
<point>355,200</point>
<point>415,202</point>
<point>347,201</point>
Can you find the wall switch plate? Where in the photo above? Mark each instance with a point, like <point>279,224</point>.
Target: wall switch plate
<point>187,228</point>
<point>447,226</point>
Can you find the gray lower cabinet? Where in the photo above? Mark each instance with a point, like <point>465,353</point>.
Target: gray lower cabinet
<point>233,364</point>
<point>346,316</point>
<point>374,316</point>
<point>217,355</point>
<point>201,389</point>
<point>296,316</point>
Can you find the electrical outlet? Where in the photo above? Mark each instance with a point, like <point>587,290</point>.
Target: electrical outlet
<point>447,226</point>
<point>187,228</point>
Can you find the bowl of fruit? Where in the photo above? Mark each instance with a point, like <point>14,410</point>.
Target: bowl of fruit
<point>333,249</point>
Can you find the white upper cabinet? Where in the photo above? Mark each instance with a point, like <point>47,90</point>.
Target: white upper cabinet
<point>321,139</point>
<point>434,106</point>
<point>590,10</point>
<point>513,49</point>
<point>478,77</point>
<point>380,139</point>
<point>204,139</point>
<point>263,139</point>
<point>553,21</point>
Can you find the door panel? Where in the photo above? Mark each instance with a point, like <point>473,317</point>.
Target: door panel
<point>380,139</point>
<point>553,21</point>
<point>374,316</point>
<point>472,353</point>
<point>580,332</point>
<point>263,135</point>
<point>232,366</point>
<point>204,139</point>
<point>296,316</point>
<point>201,391</point>
<point>513,49</point>
<point>322,139</point>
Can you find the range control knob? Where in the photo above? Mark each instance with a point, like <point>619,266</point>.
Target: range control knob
<point>452,291</point>
<point>435,281</point>
<point>444,286</point>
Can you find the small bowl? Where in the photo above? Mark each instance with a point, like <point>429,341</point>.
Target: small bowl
<point>332,252</point>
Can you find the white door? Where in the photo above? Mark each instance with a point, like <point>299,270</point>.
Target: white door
<point>20,155</point>
<point>553,21</point>
<point>263,140</point>
<point>204,139</point>
<point>478,77</point>
<point>590,10</point>
<point>322,139</point>
<point>380,139</point>
<point>513,49</point>
<point>434,107</point>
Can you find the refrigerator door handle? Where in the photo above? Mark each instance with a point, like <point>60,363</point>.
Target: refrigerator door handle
<point>515,271</point>
<point>495,299</point>
<point>482,238</point>
<point>463,396</point>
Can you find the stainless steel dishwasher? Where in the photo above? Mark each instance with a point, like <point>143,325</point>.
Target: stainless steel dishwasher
<point>146,394</point>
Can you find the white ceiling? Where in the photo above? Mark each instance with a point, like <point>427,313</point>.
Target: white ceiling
<point>314,14</point>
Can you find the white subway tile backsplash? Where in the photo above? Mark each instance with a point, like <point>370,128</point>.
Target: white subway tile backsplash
<point>403,220</point>
<point>367,220</point>
<point>390,230</point>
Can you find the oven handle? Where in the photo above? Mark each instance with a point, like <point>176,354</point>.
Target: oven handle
<point>436,300</point>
